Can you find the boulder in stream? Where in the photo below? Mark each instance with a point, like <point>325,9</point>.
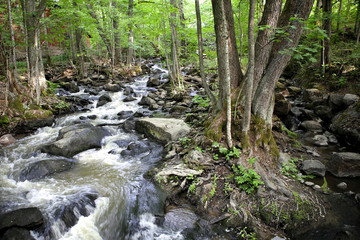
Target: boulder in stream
<point>312,125</point>
<point>7,139</point>
<point>313,167</point>
<point>75,139</point>
<point>29,218</point>
<point>16,233</point>
<point>346,125</point>
<point>104,99</point>
<point>45,167</point>
<point>162,129</point>
<point>345,164</point>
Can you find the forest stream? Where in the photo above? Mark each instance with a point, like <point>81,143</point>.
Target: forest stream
<point>105,191</point>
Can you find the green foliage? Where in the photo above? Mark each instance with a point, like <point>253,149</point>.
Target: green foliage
<point>194,181</point>
<point>288,132</point>
<point>246,234</point>
<point>213,187</point>
<point>290,169</point>
<point>246,179</point>
<point>4,120</point>
<point>52,87</point>
<point>201,101</point>
<point>225,152</point>
<point>185,142</point>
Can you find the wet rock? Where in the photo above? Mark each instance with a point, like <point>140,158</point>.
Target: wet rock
<point>345,164</point>
<point>320,140</point>
<point>44,168</point>
<point>342,186</point>
<point>125,114</point>
<point>79,204</point>
<point>128,91</point>
<point>309,184</point>
<point>7,139</point>
<point>129,126</point>
<point>179,110</point>
<point>312,95</point>
<point>324,112</point>
<point>336,101</point>
<point>112,87</point>
<point>104,99</point>
<point>33,125</point>
<point>331,137</point>
<point>350,99</point>
<point>129,98</point>
<point>136,148</point>
<point>154,106</point>
<point>313,167</point>
<point>179,219</point>
<point>162,129</point>
<point>75,139</point>
<point>307,114</point>
<point>16,233</point>
<point>282,105</point>
<point>147,101</point>
<point>30,218</point>
<point>92,117</point>
<point>294,90</point>
<point>312,125</point>
<point>154,81</point>
<point>70,86</point>
<point>346,125</point>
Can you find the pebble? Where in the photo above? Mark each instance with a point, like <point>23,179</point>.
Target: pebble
<point>309,184</point>
<point>342,186</point>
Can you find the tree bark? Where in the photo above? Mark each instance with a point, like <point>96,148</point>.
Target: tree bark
<point>339,16</point>
<point>33,13</point>
<point>130,53</point>
<point>327,11</point>
<point>223,16</point>
<point>12,65</point>
<point>201,54</point>
<point>117,39</point>
<point>249,76</point>
<point>291,20</point>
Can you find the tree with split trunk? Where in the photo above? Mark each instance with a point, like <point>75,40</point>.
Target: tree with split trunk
<point>267,60</point>
<point>33,11</point>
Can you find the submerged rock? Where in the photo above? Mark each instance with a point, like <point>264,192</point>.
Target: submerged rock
<point>16,233</point>
<point>162,129</point>
<point>44,168</point>
<point>30,218</point>
<point>345,164</point>
<point>75,139</point>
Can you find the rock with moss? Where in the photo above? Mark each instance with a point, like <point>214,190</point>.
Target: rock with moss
<point>162,130</point>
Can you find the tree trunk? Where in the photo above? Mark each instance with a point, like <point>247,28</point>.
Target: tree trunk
<point>339,16</point>
<point>327,11</point>
<point>130,54</point>
<point>33,14</point>
<point>12,62</point>
<point>291,20</point>
<point>117,39</point>
<point>201,54</point>
<point>249,77</point>
<point>357,23</point>
<point>223,16</point>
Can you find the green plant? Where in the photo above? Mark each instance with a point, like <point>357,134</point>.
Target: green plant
<point>227,153</point>
<point>194,182</point>
<point>185,141</point>
<point>288,132</point>
<point>4,120</point>
<point>228,188</point>
<point>214,185</point>
<point>290,169</point>
<point>246,179</point>
<point>52,87</point>
<point>246,234</point>
<point>201,101</point>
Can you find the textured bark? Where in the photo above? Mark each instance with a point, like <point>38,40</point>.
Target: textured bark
<point>130,53</point>
<point>327,11</point>
<point>250,73</point>
<point>264,40</point>
<point>201,54</point>
<point>291,20</point>
<point>117,42</point>
<point>223,16</point>
<point>33,13</point>
<point>13,71</point>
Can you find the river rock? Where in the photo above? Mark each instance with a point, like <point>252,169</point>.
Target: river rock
<point>129,98</point>
<point>46,167</point>
<point>70,86</point>
<point>312,95</point>
<point>135,148</point>
<point>320,140</point>
<point>282,106</point>
<point>346,125</point>
<point>128,91</point>
<point>147,101</point>
<point>342,185</point>
<point>198,160</point>
<point>350,99</point>
<point>162,129</point>
<point>75,139</point>
<point>312,125</point>
<point>179,219</point>
<point>125,114</point>
<point>7,139</point>
<point>104,99</point>
<point>336,101</point>
<point>345,164</point>
<point>313,167</point>
<point>112,87</point>
<point>179,110</point>
<point>154,81</point>
<point>77,205</point>
<point>30,218</point>
<point>16,233</point>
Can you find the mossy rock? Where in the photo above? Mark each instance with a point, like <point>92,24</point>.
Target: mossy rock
<point>4,120</point>
<point>37,114</point>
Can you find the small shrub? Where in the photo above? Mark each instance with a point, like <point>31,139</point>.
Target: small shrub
<point>246,179</point>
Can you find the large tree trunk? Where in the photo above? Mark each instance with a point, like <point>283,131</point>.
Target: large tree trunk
<point>327,11</point>
<point>201,54</point>
<point>130,54</point>
<point>117,42</point>
<point>221,15</point>
<point>33,14</point>
<point>291,20</point>
<point>12,62</point>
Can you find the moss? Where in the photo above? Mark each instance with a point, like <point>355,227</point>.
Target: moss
<point>37,114</point>
<point>264,136</point>
<point>4,120</point>
<point>17,104</point>
<point>214,127</point>
<point>245,140</point>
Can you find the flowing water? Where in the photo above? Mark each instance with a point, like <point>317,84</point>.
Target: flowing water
<point>127,205</point>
